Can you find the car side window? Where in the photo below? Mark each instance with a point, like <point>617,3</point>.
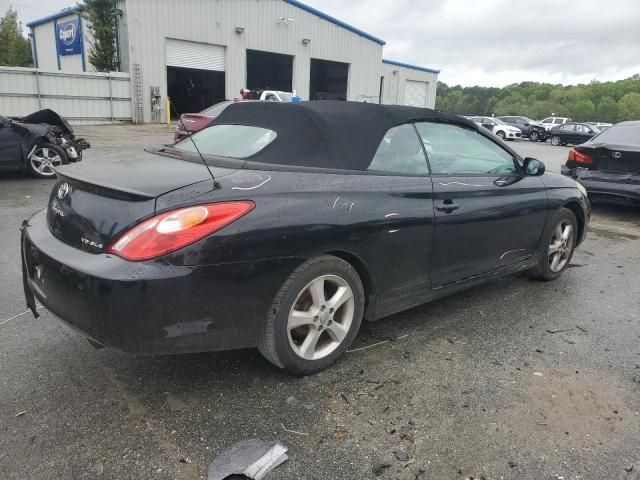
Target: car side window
<point>547,120</point>
<point>400,151</point>
<point>452,149</point>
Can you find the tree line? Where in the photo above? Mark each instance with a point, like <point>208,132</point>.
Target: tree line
<point>596,101</point>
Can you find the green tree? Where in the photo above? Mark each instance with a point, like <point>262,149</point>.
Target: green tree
<point>15,50</point>
<point>607,110</point>
<point>583,110</point>
<point>629,107</point>
<point>102,18</point>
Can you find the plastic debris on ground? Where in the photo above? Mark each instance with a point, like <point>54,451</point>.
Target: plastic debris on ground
<point>253,458</point>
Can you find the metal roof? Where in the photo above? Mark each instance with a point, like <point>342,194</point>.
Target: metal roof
<point>295,3</point>
<point>335,21</point>
<point>407,65</point>
<point>62,13</point>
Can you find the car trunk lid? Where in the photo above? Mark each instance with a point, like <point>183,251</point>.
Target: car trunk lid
<point>609,158</point>
<point>93,202</point>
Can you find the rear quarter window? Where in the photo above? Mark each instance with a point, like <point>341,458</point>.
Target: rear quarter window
<point>235,141</point>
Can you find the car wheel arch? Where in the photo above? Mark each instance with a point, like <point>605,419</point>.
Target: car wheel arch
<point>363,272</point>
<point>574,206</point>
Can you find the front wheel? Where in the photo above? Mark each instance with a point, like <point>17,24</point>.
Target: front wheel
<point>45,158</point>
<point>314,317</point>
<point>501,134</point>
<point>558,246</point>
<point>556,140</point>
<point>534,136</point>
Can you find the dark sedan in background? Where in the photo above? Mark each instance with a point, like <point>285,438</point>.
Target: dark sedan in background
<point>298,221</point>
<point>608,165</point>
<point>531,129</point>
<point>573,133</point>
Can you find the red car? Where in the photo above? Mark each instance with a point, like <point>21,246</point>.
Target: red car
<point>193,122</point>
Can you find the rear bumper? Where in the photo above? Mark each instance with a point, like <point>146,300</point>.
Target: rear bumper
<point>150,307</point>
<point>624,186</point>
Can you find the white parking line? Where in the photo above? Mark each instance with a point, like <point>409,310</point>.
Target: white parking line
<point>18,315</point>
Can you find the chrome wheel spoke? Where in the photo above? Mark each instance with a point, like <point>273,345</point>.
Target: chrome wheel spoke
<point>337,332</point>
<point>316,290</point>
<point>308,347</point>
<point>554,247</point>
<point>337,300</point>
<point>299,319</point>
<point>555,260</point>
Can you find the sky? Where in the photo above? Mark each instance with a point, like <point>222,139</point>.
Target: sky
<point>483,42</point>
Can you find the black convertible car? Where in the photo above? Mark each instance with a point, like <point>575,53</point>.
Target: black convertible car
<point>306,218</point>
<point>38,143</point>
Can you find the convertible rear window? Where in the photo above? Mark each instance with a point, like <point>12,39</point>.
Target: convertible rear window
<point>236,141</point>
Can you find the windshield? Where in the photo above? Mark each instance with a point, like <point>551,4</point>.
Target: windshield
<point>620,134</point>
<point>237,141</point>
<point>284,96</point>
<point>498,121</point>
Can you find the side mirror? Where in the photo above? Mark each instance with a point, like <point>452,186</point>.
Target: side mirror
<point>533,167</point>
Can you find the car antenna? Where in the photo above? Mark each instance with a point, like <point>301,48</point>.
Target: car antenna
<point>192,141</point>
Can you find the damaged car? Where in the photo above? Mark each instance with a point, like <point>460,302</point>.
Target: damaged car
<point>38,143</point>
<point>283,225</point>
<point>608,165</point>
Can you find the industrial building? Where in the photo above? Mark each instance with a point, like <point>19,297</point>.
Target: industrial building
<point>198,52</point>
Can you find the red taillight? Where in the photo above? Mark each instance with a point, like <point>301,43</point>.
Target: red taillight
<point>579,158</point>
<point>176,229</point>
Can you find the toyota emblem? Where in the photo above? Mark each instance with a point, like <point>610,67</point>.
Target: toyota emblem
<point>63,190</point>
<point>616,154</point>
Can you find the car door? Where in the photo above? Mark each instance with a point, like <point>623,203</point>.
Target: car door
<point>399,252</point>
<point>10,147</point>
<point>488,213</point>
<point>567,132</point>
<point>582,134</point>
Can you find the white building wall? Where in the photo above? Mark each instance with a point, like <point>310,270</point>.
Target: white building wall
<point>46,47</point>
<point>45,38</point>
<point>395,78</point>
<point>150,22</point>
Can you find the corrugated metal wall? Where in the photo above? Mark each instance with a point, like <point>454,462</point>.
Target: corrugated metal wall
<point>80,97</point>
<point>394,84</point>
<point>150,22</point>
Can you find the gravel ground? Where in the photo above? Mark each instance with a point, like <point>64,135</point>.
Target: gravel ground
<point>512,379</point>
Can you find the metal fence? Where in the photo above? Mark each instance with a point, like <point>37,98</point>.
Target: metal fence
<point>82,98</point>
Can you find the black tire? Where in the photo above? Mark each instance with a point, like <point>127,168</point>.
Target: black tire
<point>45,150</point>
<point>543,270</point>
<point>276,344</point>
<point>556,140</point>
<point>534,136</point>
<point>501,134</point>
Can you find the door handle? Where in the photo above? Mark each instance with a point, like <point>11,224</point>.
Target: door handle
<point>447,206</point>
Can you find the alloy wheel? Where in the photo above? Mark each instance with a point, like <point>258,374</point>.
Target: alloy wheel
<point>533,136</point>
<point>501,135</point>
<point>43,160</point>
<point>561,246</point>
<point>555,140</point>
<point>321,317</point>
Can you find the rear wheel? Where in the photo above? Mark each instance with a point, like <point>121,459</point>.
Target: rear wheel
<point>534,136</point>
<point>314,317</point>
<point>45,158</point>
<point>559,244</point>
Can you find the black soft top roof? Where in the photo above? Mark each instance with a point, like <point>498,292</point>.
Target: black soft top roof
<point>326,133</point>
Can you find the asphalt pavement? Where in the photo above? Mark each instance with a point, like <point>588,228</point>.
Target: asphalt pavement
<point>515,379</point>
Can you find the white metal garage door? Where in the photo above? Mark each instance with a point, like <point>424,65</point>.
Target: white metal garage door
<point>415,93</point>
<point>202,56</point>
